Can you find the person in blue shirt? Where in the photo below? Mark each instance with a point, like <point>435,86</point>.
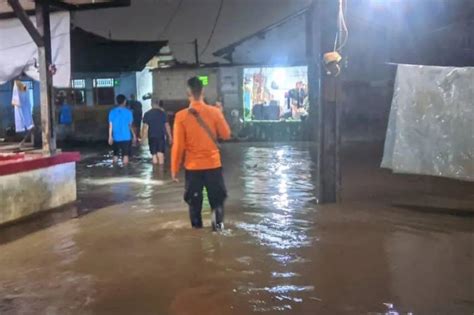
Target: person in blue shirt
<point>121,131</point>
<point>65,112</point>
<point>65,129</point>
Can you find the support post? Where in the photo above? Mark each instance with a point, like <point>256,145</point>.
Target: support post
<point>321,30</point>
<point>196,52</point>
<point>46,80</point>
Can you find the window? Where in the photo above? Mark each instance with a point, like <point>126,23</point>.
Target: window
<point>104,83</point>
<point>104,96</point>
<point>78,84</point>
<point>78,97</point>
<point>71,96</point>
<point>77,94</point>
<point>104,92</point>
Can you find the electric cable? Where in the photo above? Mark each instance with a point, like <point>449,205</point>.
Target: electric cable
<point>171,19</point>
<point>342,34</point>
<point>221,5</point>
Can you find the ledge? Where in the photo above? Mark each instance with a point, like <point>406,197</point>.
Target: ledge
<point>21,162</point>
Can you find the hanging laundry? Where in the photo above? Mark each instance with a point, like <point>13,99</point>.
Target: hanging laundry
<point>22,104</point>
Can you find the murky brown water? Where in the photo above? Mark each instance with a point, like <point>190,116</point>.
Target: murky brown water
<point>281,253</point>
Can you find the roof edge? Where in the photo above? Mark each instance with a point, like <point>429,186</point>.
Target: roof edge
<point>224,52</point>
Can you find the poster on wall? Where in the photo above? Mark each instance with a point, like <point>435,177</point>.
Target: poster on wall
<point>275,93</point>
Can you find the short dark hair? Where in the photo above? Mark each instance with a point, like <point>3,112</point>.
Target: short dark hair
<point>195,86</point>
<point>156,102</point>
<point>120,99</point>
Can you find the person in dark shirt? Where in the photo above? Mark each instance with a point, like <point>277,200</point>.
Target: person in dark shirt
<point>156,128</point>
<point>136,108</point>
<point>296,96</point>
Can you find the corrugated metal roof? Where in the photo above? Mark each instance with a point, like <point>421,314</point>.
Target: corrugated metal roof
<point>93,53</point>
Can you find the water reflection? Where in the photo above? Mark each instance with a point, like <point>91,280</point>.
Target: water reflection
<point>280,254</point>
<point>278,186</point>
<point>284,274</point>
<point>279,189</point>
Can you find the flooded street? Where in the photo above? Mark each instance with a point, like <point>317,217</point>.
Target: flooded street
<point>126,246</point>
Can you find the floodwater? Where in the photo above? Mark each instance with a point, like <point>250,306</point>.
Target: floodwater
<point>126,246</point>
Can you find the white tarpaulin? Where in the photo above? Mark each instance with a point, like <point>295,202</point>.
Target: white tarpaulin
<point>19,54</point>
<point>21,102</point>
<point>431,125</point>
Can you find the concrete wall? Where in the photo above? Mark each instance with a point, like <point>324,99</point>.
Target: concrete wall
<point>454,45</point>
<point>170,84</point>
<point>26,193</point>
<point>127,86</point>
<point>91,123</point>
<point>230,87</point>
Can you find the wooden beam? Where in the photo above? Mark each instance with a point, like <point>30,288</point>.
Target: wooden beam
<point>57,5</point>
<point>63,5</point>
<point>46,80</point>
<point>25,20</point>
<point>321,30</point>
<point>196,52</point>
<point>89,6</point>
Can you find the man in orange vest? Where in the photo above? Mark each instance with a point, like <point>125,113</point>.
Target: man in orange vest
<point>196,131</point>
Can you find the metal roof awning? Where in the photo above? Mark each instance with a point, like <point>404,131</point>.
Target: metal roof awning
<point>6,12</point>
<point>93,53</point>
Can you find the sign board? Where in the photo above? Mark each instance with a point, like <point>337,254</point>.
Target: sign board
<point>204,79</point>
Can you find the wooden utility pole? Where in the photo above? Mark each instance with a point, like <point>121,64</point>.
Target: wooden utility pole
<point>196,52</point>
<point>46,80</point>
<point>321,30</point>
<point>41,35</point>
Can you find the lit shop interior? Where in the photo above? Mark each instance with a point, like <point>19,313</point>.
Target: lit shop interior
<point>275,93</point>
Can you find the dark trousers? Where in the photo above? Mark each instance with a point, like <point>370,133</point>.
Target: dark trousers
<point>213,180</point>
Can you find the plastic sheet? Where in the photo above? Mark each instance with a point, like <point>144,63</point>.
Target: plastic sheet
<point>19,54</point>
<point>431,124</point>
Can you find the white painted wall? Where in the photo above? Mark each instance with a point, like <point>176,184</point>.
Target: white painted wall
<point>231,87</point>
<point>144,86</point>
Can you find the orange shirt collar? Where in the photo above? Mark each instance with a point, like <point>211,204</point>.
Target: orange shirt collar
<point>197,103</point>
